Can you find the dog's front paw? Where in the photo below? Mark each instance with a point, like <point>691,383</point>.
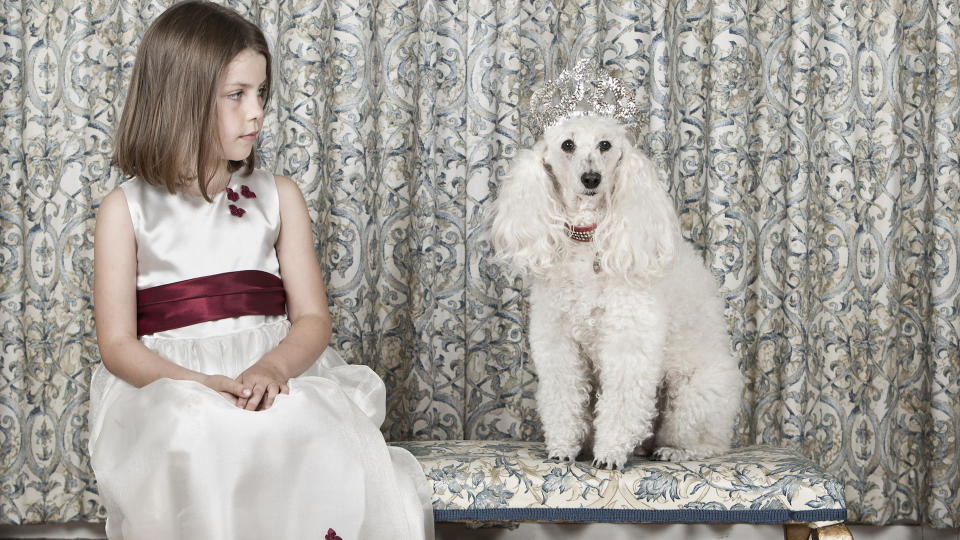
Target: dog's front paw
<point>609,460</point>
<point>610,465</point>
<point>667,453</point>
<point>563,453</point>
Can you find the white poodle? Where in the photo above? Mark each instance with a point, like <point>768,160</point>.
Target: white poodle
<point>623,313</point>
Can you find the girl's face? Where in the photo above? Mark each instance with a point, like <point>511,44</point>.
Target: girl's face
<point>240,104</point>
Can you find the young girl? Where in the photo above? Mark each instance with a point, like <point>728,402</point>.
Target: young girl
<point>214,414</point>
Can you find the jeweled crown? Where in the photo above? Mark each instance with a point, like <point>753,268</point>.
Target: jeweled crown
<point>584,90</point>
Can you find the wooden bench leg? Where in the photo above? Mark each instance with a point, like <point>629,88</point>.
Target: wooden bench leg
<point>833,532</point>
<point>796,531</point>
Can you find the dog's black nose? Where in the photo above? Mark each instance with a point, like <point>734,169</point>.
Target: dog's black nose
<point>590,180</point>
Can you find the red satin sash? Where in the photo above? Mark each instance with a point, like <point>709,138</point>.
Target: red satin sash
<point>208,298</point>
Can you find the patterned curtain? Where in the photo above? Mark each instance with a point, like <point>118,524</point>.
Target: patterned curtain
<point>812,148</point>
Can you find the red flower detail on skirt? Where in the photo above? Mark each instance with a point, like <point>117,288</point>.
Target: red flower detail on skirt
<point>237,211</point>
<point>331,535</point>
<point>245,191</point>
<point>232,195</point>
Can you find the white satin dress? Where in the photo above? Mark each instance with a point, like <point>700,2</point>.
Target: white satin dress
<point>175,460</point>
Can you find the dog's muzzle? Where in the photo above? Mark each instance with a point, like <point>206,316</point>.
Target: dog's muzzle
<point>590,180</point>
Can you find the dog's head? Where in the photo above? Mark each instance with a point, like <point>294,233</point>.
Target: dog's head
<point>581,157</point>
<point>585,172</point>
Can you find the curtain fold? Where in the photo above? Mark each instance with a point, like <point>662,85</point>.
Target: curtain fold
<point>812,149</point>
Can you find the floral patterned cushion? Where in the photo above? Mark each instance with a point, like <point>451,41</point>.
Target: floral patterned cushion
<point>515,481</point>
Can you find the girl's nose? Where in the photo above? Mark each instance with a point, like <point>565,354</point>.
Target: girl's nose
<point>255,109</point>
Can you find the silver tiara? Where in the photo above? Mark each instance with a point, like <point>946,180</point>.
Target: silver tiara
<point>582,91</point>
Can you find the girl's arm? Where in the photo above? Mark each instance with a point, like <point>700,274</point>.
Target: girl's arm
<point>310,326</point>
<point>115,307</point>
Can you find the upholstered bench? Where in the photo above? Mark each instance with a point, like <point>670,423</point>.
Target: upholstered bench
<point>507,481</point>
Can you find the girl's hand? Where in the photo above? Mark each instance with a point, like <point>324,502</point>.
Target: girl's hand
<point>230,389</point>
<point>265,380</point>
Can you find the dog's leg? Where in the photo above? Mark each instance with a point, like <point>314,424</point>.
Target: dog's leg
<point>702,376</point>
<point>701,408</point>
<point>563,391</point>
<point>628,357</point>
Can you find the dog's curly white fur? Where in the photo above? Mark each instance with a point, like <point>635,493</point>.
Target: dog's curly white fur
<point>614,319</point>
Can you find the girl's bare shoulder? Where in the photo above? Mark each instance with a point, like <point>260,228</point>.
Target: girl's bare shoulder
<point>113,205</point>
<point>286,185</point>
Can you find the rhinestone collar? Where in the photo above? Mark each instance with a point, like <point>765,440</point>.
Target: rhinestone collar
<point>580,234</point>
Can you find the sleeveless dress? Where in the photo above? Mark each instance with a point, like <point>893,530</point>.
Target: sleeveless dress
<point>174,459</point>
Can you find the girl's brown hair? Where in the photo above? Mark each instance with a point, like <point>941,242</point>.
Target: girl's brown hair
<point>168,128</point>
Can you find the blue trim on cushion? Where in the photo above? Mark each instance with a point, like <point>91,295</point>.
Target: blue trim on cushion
<point>621,515</point>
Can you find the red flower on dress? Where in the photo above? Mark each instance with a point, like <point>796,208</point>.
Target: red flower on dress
<point>245,191</point>
<point>232,195</point>
<point>331,535</point>
<point>237,211</point>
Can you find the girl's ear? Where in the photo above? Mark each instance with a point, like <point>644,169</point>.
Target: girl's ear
<point>526,223</point>
<point>640,235</point>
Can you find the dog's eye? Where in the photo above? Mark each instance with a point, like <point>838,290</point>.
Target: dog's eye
<point>604,146</point>
<point>568,146</point>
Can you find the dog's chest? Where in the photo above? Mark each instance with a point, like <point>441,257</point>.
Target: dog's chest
<point>584,265</point>
<point>579,292</point>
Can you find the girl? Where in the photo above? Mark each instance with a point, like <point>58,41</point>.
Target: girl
<point>212,415</point>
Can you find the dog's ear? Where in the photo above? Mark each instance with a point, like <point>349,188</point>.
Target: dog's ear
<point>526,223</point>
<point>640,234</point>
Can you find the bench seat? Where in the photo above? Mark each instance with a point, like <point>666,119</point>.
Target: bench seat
<point>511,481</point>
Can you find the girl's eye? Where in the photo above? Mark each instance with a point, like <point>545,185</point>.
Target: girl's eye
<point>604,146</point>
<point>568,146</point>
<point>235,95</point>
<point>262,91</point>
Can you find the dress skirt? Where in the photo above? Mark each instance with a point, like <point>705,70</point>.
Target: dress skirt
<point>174,459</point>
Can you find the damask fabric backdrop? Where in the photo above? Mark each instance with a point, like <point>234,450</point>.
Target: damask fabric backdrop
<point>811,147</point>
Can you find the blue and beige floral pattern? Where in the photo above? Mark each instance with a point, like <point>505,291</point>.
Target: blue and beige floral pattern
<point>812,149</point>
<point>514,481</point>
